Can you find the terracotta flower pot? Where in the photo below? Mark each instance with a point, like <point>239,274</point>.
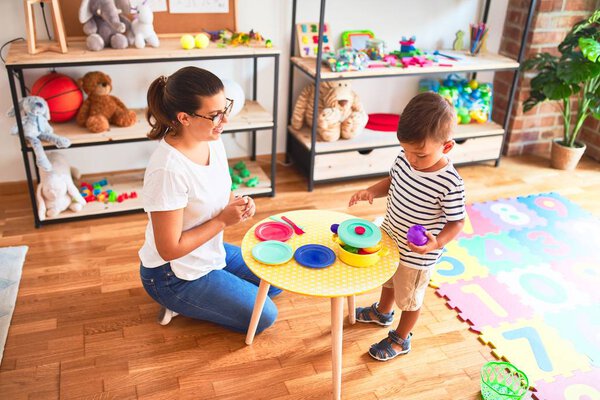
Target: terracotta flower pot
<point>566,158</point>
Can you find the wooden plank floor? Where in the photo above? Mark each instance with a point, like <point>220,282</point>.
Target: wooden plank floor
<point>84,328</point>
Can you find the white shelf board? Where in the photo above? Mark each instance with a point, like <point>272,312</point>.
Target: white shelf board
<point>170,48</point>
<point>252,116</point>
<point>132,181</point>
<point>481,62</point>
<point>370,139</point>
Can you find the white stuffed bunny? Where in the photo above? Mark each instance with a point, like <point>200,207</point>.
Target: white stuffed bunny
<point>56,191</point>
<point>36,128</point>
<point>142,27</point>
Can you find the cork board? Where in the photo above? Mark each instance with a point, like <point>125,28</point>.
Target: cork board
<point>165,23</point>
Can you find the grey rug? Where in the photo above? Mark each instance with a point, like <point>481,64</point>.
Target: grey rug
<point>11,265</point>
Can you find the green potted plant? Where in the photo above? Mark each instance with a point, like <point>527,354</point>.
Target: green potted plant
<point>575,74</point>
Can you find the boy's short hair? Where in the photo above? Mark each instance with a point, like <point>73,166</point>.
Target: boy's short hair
<point>426,116</point>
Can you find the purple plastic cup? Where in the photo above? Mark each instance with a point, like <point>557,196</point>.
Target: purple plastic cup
<point>416,235</point>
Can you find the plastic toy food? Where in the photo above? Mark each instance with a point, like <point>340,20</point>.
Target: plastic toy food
<point>416,235</point>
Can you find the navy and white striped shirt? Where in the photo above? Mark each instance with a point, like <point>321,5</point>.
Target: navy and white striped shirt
<point>430,199</point>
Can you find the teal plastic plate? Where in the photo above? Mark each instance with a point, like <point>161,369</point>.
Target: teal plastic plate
<point>348,235</point>
<point>272,252</point>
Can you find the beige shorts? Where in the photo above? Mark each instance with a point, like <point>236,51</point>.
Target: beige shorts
<point>409,286</point>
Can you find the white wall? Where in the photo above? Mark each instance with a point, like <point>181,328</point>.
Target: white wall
<point>434,22</point>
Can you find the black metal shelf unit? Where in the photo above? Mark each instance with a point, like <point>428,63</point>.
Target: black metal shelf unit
<point>304,154</point>
<point>18,61</point>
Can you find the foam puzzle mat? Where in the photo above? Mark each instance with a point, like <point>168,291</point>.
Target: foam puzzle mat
<point>525,274</point>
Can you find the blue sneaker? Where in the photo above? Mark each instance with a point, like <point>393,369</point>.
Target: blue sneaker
<point>383,351</point>
<point>365,315</point>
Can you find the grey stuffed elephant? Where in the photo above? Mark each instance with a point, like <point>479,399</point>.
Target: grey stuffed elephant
<point>36,128</point>
<point>104,24</point>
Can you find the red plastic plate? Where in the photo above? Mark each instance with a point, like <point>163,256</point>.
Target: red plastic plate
<point>273,231</point>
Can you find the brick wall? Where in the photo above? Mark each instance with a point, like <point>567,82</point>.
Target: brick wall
<point>532,132</point>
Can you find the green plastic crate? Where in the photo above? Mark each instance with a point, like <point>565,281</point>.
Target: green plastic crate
<point>503,381</point>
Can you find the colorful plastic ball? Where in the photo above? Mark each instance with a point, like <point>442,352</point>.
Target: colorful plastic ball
<point>62,95</point>
<point>359,230</point>
<point>473,84</point>
<point>187,42</point>
<point>334,228</point>
<point>201,41</point>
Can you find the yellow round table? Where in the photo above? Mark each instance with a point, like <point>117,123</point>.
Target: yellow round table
<point>336,281</point>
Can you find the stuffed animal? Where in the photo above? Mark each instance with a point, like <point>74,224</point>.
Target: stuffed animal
<point>141,26</point>
<point>36,128</point>
<point>340,112</point>
<point>56,191</point>
<point>100,109</point>
<point>104,24</point>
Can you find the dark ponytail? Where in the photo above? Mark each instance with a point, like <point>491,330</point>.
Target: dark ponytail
<point>180,92</point>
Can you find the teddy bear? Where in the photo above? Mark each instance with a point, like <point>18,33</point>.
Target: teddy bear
<point>100,109</point>
<point>36,128</point>
<point>341,114</point>
<point>56,191</point>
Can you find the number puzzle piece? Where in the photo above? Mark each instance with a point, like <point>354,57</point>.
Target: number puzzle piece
<point>499,252</point>
<point>543,289</point>
<point>535,348</point>
<point>509,214</point>
<point>456,264</point>
<point>484,302</point>
<point>553,205</point>
<point>583,327</point>
<point>581,385</point>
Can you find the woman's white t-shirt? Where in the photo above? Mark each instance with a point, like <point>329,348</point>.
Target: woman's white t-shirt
<point>173,181</point>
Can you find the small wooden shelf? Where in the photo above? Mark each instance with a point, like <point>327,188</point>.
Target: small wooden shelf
<point>482,62</point>
<point>169,50</point>
<point>132,181</point>
<point>369,139</point>
<point>252,117</point>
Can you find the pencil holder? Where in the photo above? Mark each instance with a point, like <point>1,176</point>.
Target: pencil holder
<point>477,39</point>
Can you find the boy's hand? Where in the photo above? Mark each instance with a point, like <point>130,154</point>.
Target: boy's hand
<point>361,195</point>
<point>431,245</point>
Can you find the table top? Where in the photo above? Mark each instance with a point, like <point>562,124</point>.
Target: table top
<point>339,279</point>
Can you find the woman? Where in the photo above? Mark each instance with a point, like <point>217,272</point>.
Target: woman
<point>185,266</point>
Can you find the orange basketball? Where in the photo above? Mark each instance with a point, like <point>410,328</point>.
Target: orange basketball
<point>61,93</point>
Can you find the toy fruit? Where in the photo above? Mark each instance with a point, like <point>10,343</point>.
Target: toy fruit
<point>416,235</point>
<point>334,228</point>
<point>187,42</point>
<point>201,41</point>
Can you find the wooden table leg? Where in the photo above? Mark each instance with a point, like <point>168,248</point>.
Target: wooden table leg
<point>261,296</point>
<point>337,321</point>
<point>351,310</point>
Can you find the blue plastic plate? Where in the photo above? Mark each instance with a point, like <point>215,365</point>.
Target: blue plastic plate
<point>272,252</point>
<point>314,256</point>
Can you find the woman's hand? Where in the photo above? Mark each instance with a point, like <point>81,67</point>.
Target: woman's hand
<point>234,211</point>
<point>431,245</point>
<point>361,195</point>
<point>250,209</point>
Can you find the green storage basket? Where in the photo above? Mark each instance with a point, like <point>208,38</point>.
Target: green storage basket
<point>503,381</point>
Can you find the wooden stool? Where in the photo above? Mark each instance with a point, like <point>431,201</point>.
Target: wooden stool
<point>60,45</point>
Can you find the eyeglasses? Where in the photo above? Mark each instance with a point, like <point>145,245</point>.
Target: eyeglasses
<point>218,118</point>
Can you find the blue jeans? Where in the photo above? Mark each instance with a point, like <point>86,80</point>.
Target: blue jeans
<point>225,297</point>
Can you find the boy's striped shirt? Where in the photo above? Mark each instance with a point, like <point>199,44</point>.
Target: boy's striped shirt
<point>426,198</point>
